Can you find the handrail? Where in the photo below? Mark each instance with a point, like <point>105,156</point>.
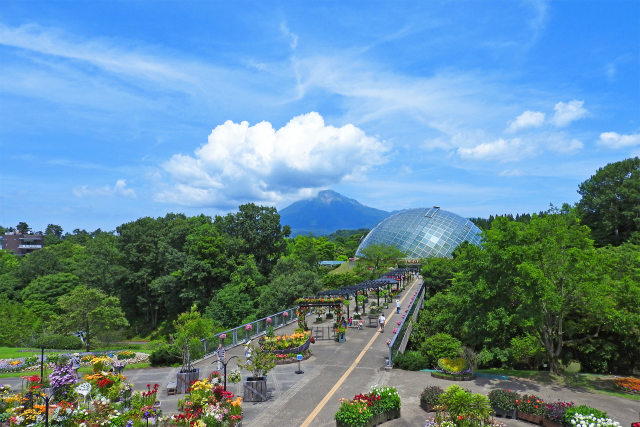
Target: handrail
<point>404,330</point>
<point>240,334</point>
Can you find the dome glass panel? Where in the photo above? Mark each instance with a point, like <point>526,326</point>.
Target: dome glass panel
<point>423,233</point>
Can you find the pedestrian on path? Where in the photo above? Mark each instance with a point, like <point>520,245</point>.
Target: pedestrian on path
<point>398,306</point>
<point>221,353</point>
<point>381,321</point>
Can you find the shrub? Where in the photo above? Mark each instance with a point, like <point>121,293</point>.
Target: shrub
<point>429,396</point>
<point>58,342</point>
<point>459,404</point>
<point>504,399</point>
<point>556,411</point>
<point>163,354</point>
<point>410,361</point>
<point>526,352</point>
<point>583,410</point>
<point>438,346</point>
<point>531,404</point>
<point>353,413</point>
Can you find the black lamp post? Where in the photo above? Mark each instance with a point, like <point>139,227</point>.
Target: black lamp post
<point>224,364</point>
<point>48,394</point>
<point>41,366</point>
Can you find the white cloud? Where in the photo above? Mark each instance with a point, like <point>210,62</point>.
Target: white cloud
<point>566,113</point>
<point>119,189</point>
<point>511,172</point>
<point>560,144</point>
<point>293,38</point>
<point>615,140</point>
<point>242,163</point>
<point>526,120</point>
<point>503,150</point>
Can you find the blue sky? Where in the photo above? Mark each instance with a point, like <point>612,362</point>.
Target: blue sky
<point>110,111</point>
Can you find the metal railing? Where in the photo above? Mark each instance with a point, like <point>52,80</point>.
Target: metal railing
<point>400,340</point>
<point>241,334</point>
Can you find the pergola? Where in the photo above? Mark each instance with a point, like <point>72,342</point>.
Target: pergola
<point>355,290</point>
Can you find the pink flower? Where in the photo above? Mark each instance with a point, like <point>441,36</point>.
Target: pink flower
<point>268,320</point>
<point>399,322</point>
<point>223,336</point>
<point>395,330</point>
<point>248,327</point>
<point>285,314</point>
<point>403,316</point>
<point>389,342</point>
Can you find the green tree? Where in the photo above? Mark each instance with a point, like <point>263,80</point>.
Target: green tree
<point>610,203</point>
<point>234,304</point>
<point>23,227</point>
<point>52,235</point>
<point>285,287</point>
<point>42,293</point>
<point>91,311</point>
<point>190,328</point>
<point>380,256</point>
<point>259,227</point>
<point>17,324</point>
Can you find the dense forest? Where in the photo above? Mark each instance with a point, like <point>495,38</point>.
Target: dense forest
<point>232,269</point>
<point>551,287</point>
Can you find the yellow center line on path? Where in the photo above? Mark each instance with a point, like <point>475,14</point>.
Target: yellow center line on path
<point>344,376</point>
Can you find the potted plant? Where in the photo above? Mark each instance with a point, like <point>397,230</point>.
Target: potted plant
<point>429,398</point>
<point>340,333</point>
<point>530,408</point>
<point>503,402</point>
<point>554,413</point>
<point>259,364</point>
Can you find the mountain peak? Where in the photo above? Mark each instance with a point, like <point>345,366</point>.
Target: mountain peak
<point>330,196</point>
<point>327,212</point>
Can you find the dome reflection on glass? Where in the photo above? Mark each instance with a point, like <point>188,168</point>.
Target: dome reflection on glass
<point>423,232</point>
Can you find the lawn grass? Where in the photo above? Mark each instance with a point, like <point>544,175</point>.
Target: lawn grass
<point>15,352</point>
<point>602,384</point>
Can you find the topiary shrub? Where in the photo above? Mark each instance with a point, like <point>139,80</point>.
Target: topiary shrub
<point>438,346</point>
<point>410,361</point>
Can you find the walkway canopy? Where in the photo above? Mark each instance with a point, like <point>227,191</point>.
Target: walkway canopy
<point>360,288</point>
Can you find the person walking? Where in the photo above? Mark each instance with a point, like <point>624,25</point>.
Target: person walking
<point>221,353</point>
<point>398,306</point>
<point>381,321</point>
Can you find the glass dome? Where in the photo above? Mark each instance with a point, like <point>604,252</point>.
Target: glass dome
<point>423,232</point>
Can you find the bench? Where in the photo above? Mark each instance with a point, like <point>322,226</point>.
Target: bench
<point>172,388</point>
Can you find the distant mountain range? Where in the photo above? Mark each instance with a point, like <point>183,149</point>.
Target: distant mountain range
<point>327,212</point>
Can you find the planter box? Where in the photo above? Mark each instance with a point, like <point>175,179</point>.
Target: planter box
<point>255,389</point>
<point>184,380</point>
<point>341,338</point>
<point>377,419</point>
<point>549,423</point>
<point>505,413</point>
<point>427,408</point>
<point>535,419</point>
<point>464,377</point>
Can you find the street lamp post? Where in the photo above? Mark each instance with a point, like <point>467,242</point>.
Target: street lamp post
<point>41,366</point>
<point>224,364</point>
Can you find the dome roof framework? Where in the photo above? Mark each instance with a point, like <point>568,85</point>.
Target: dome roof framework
<point>423,233</point>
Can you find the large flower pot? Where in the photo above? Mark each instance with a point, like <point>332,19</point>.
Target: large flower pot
<point>255,389</point>
<point>535,419</point>
<point>184,380</point>
<point>548,423</point>
<point>341,338</point>
<point>504,413</point>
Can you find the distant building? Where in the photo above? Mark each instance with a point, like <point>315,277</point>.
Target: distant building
<point>21,244</point>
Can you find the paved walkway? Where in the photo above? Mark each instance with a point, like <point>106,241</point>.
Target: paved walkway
<point>294,399</point>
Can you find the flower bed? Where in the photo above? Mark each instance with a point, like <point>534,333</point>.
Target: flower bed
<point>453,369</point>
<point>630,385</point>
<point>285,359</point>
<point>379,405</point>
<point>209,404</point>
<point>285,344</point>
